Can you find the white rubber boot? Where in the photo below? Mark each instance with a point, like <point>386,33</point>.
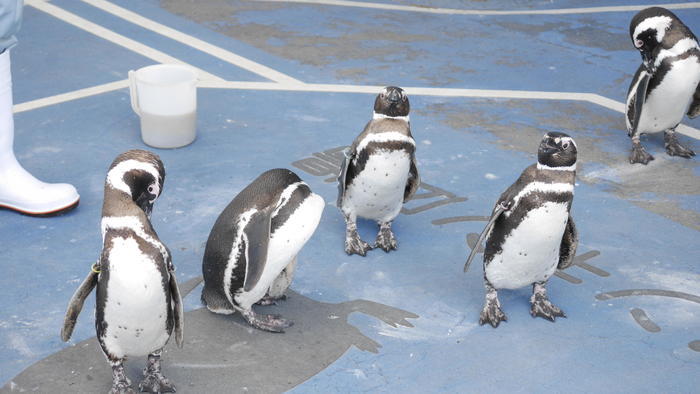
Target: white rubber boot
<point>19,190</point>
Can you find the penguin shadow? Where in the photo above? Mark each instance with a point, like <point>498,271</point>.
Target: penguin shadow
<point>224,353</point>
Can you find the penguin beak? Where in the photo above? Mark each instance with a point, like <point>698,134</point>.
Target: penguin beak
<point>548,149</point>
<point>648,61</point>
<point>148,209</point>
<point>145,203</point>
<point>548,146</point>
<point>394,97</point>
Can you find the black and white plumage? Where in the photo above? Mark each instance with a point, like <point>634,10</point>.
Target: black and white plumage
<point>666,84</point>
<point>531,232</point>
<point>251,252</point>
<point>138,303</point>
<point>379,172</point>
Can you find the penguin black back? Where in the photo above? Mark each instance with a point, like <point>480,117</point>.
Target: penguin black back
<point>259,195</point>
<point>250,256</point>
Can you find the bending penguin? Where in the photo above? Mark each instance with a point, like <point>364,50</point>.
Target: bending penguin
<point>665,86</point>
<point>379,172</point>
<point>138,303</point>
<point>531,232</point>
<point>250,256</point>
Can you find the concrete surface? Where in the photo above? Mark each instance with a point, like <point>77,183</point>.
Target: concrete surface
<point>288,84</point>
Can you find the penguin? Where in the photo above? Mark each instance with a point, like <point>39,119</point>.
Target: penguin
<point>531,232</point>
<point>250,256</point>
<point>379,172</point>
<point>666,84</point>
<point>138,303</point>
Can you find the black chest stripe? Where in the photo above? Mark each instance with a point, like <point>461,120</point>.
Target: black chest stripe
<point>666,66</point>
<point>506,224</point>
<point>373,148</point>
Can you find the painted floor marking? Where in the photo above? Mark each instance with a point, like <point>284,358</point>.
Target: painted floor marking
<point>113,37</point>
<point>455,11</point>
<point>289,84</point>
<point>70,96</point>
<point>368,89</point>
<point>193,42</point>
<point>442,92</point>
<point>648,292</point>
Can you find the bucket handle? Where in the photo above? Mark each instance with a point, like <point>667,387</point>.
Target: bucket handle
<point>133,93</point>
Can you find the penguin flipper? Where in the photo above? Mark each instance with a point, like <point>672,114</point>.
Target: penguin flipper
<point>500,208</point>
<point>413,182</point>
<point>258,234</point>
<point>76,304</point>
<point>178,313</point>
<point>569,243</point>
<point>348,155</point>
<point>694,109</point>
<point>636,98</point>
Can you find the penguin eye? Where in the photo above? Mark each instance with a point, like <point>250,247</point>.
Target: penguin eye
<point>565,145</point>
<point>638,43</point>
<point>152,189</point>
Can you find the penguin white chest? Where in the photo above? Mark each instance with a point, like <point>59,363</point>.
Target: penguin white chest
<point>377,192</point>
<point>136,306</point>
<point>666,105</point>
<point>285,243</point>
<point>530,252</point>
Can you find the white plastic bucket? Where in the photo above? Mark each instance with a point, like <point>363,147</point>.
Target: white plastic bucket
<point>165,98</point>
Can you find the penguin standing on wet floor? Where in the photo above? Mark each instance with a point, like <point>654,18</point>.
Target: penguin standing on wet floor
<point>531,232</point>
<point>666,84</point>
<point>379,172</point>
<point>138,303</point>
<point>251,253</point>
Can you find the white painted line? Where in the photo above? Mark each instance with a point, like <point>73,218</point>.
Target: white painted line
<point>366,89</point>
<point>113,37</point>
<point>456,11</point>
<point>70,96</point>
<point>307,87</point>
<point>193,42</point>
<point>689,131</point>
<point>441,92</point>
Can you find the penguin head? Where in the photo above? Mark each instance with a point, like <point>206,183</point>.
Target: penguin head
<point>392,101</point>
<point>140,174</point>
<point>648,29</point>
<point>557,150</point>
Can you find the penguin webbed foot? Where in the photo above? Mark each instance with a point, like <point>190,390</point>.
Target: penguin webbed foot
<point>385,238</point>
<point>674,148</point>
<point>122,389</point>
<point>153,380</point>
<point>156,383</point>
<point>355,245</point>
<point>120,382</point>
<point>640,155</point>
<point>270,300</point>
<point>542,307</point>
<point>271,323</point>
<point>492,313</point>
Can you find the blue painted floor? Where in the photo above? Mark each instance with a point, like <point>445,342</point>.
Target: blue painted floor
<point>639,227</point>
